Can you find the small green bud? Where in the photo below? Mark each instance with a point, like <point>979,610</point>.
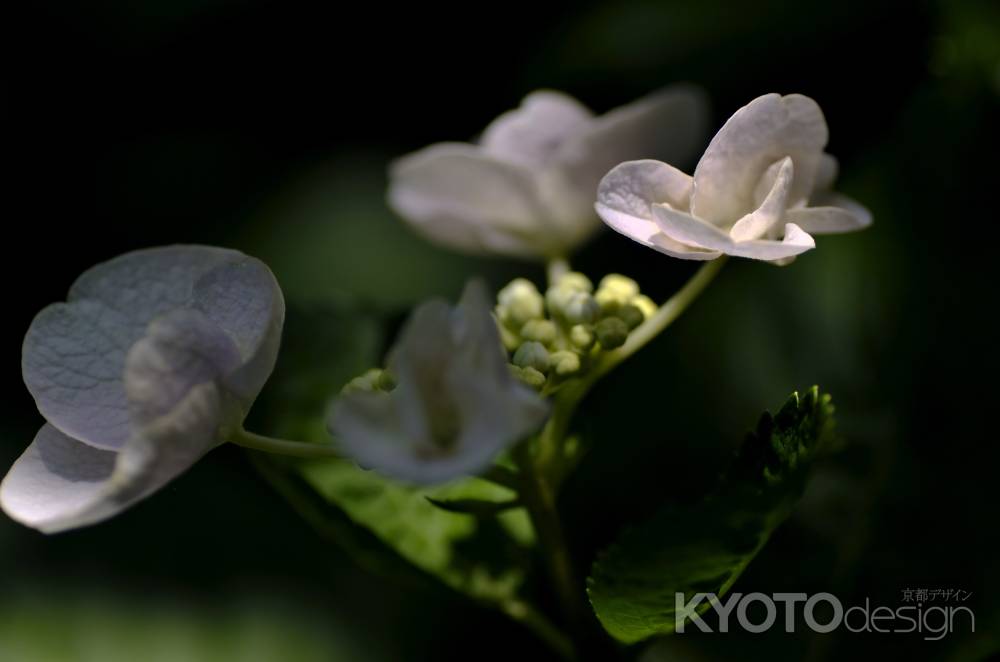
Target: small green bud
<point>529,376</point>
<point>386,381</point>
<point>556,299</point>
<point>543,331</point>
<point>372,380</point>
<point>509,339</point>
<point>518,303</point>
<point>565,363</point>
<point>623,286</point>
<point>611,332</point>
<point>581,337</point>
<point>575,281</point>
<point>618,288</point>
<point>645,305</point>
<point>581,308</point>
<point>532,355</point>
<point>631,315</point>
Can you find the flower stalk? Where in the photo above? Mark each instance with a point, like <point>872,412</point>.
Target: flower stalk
<point>259,442</point>
<point>538,495</point>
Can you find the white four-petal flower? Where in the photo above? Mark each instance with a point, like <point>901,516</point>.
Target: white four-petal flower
<point>761,187</point>
<point>455,405</point>
<point>527,188</point>
<point>156,355</point>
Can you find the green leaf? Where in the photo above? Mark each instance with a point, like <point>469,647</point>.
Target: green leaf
<point>473,555</point>
<point>705,547</point>
<point>377,519</point>
<point>475,507</point>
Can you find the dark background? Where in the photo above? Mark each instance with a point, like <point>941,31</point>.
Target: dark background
<point>267,126</point>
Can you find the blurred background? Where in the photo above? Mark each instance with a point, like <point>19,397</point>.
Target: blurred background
<point>267,127</point>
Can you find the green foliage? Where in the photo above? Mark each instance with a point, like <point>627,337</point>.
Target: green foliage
<point>381,521</point>
<point>84,627</point>
<point>475,507</point>
<point>469,554</point>
<point>705,547</point>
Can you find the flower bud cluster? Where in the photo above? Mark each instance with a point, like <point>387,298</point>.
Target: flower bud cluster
<point>555,336</point>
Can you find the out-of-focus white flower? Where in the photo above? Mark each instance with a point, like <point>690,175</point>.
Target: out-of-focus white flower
<point>762,186</point>
<point>155,357</point>
<point>526,189</point>
<point>455,405</point>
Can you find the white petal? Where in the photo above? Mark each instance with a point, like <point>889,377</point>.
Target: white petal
<point>166,447</point>
<point>143,284</point>
<point>668,246</point>
<point>477,343</point>
<point>73,355</point>
<point>795,242</point>
<point>667,126</point>
<point>495,408</point>
<point>769,128</point>
<point>759,222</point>
<point>181,350</point>
<point>366,427</point>
<point>826,172</point>
<point>60,483</point>
<point>57,483</point>
<point>625,198</point>
<point>494,415</point>
<point>244,299</point>
<point>690,230</point>
<point>418,360</point>
<point>687,229</point>
<point>632,188</point>
<point>460,198</point>
<point>72,361</point>
<point>530,135</point>
<point>836,209</point>
<point>455,406</point>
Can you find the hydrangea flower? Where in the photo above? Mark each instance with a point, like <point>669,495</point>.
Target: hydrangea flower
<point>155,357</point>
<point>762,186</point>
<point>454,405</point>
<point>526,189</point>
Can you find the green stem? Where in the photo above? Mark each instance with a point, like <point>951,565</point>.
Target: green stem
<point>662,318</point>
<point>539,499</point>
<point>259,442</point>
<point>642,334</point>
<point>534,620</point>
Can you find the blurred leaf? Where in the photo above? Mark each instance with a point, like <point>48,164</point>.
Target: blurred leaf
<point>475,507</point>
<point>705,547</point>
<point>322,351</point>
<point>78,628</point>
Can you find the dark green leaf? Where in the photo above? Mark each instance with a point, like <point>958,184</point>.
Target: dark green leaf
<point>704,548</point>
<point>475,507</point>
